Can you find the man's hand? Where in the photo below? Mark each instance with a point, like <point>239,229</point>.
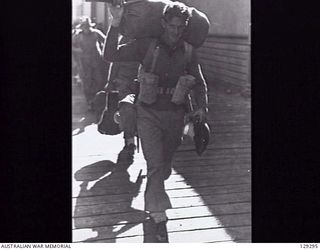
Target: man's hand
<point>116,10</point>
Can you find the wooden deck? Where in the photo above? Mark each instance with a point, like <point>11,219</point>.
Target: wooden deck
<point>211,194</point>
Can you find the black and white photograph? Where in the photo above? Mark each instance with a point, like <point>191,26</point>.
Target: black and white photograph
<point>161,121</point>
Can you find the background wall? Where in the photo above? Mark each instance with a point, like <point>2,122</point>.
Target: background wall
<point>227,17</point>
<point>225,56</point>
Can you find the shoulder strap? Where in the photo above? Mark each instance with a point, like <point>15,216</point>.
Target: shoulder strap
<point>187,55</point>
<point>153,53</point>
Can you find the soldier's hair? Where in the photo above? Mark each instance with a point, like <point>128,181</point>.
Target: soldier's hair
<point>176,9</point>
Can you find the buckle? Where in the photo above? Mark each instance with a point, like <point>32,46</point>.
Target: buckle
<point>166,91</point>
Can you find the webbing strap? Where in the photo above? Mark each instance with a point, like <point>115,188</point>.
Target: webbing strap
<point>151,53</point>
<point>187,55</point>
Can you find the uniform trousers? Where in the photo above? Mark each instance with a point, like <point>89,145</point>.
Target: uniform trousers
<point>160,132</point>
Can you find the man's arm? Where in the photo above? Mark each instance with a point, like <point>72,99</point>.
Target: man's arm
<point>200,89</point>
<point>123,53</point>
<point>111,51</point>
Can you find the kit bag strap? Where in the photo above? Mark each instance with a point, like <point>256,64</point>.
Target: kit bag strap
<point>152,52</point>
<point>187,55</point>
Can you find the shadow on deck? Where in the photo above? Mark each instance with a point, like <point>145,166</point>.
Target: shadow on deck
<point>222,175</point>
<point>211,194</point>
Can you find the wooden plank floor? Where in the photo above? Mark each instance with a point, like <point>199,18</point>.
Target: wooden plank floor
<point>210,195</point>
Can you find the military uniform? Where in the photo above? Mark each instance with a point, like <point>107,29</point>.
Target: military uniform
<point>160,123</point>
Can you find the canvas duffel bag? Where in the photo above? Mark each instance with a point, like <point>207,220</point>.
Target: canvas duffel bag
<point>142,18</point>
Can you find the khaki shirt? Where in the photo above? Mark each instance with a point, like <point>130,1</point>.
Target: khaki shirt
<point>170,63</point>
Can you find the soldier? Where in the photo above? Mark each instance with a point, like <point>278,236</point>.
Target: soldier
<point>75,56</point>
<point>166,78</point>
<point>122,79</point>
<point>87,43</point>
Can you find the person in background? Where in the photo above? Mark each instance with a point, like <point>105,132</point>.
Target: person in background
<point>99,26</point>
<point>75,56</point>
<point>87,44</point>
<point>160,117</point>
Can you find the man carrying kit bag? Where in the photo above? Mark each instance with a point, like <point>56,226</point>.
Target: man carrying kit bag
<point>165,79</point>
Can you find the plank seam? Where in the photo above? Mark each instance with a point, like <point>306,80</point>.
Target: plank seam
<point>188,196</point>
<point>183,218</point>
<point>126,212</point>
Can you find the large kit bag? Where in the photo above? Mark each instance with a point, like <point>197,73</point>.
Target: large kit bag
<point>142,18</point>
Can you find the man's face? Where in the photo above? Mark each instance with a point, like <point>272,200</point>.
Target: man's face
<point>173,29</point>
